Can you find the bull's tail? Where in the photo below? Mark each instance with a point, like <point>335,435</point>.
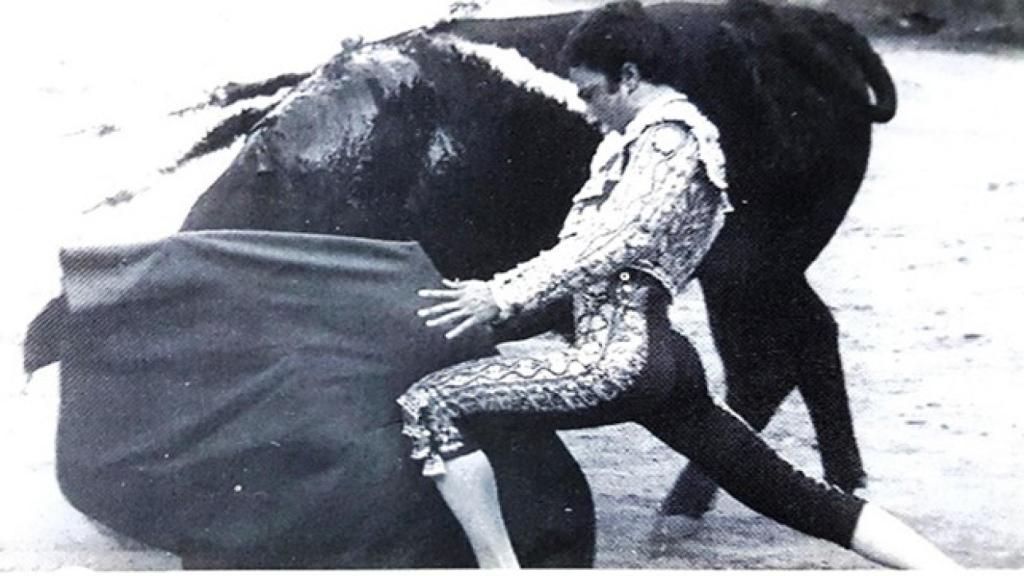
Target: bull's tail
<point>884,107</point>
<point>830,53</point>
<point>843,36</point>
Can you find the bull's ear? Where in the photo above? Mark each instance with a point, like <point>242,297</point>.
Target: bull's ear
<point>629,75</point>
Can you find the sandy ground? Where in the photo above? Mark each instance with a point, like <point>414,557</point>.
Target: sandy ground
<point>921,278</point>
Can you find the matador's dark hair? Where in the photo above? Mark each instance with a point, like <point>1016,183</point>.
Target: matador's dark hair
<point>622,32</point>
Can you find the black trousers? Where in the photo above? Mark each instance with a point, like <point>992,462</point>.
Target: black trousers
<point>668,396</point>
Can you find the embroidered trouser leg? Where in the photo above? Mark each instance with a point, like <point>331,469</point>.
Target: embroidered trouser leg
<point>626,365</point>
<point>608,353</point>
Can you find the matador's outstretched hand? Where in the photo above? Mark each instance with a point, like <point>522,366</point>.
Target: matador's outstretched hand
<point>468,301</point>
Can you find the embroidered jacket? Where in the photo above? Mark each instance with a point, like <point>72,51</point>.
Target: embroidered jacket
<point>655,201</point>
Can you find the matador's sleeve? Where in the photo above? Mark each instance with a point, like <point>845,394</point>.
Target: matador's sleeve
<point>650,194</point>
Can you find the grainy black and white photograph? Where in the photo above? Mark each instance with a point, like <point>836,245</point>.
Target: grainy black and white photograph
<point>688,285</point>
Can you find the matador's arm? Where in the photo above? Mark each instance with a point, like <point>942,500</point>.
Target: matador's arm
<point>650,194</point>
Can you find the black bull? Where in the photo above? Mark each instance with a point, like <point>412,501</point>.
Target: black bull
<point>410,138</point>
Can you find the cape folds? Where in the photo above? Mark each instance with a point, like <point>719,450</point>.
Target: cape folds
<point>235,391</point>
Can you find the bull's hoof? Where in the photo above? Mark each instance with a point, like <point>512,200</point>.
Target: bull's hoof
<point>669,532</point>
<point>849,485</point>
<point>692,495</point>
<point>849,477</point>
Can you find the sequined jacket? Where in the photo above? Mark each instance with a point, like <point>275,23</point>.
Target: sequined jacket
<point>655,201</point>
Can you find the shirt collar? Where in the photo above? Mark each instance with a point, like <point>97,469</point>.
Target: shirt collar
<point>653,113</point>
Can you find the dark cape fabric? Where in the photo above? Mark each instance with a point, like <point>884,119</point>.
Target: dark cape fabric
<point>233,392</point>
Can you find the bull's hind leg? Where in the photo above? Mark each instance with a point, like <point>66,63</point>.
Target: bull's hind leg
<point>789,340</point>
<point>770,343</point>
<point>759,378</point>
<point>823,388</point>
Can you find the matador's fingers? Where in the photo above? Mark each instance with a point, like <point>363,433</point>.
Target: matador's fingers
<point>456,283</point>
<point>466,325</point>
<point>440,294</point>
<point>438,309</point>
<point>449,317</point>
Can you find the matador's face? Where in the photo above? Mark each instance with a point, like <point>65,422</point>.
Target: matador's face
<point>607,102</point>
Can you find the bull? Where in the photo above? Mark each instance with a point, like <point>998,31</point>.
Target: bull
<point>438,136</point>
